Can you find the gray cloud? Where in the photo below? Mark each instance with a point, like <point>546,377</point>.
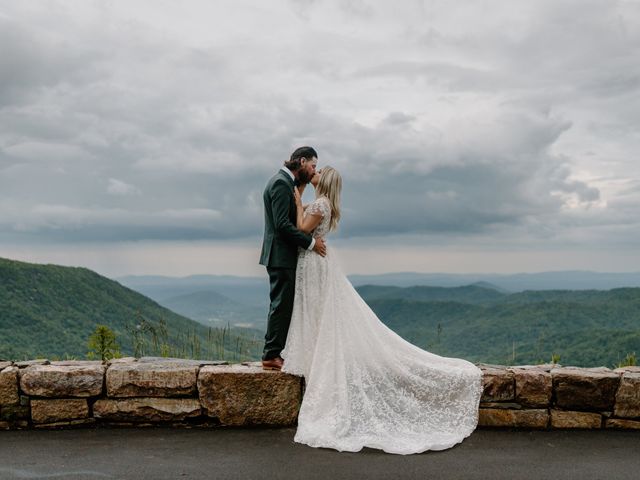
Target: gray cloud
<point>117,127</point>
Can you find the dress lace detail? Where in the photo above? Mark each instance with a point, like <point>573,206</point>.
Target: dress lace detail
<point>320,206</point>
<point>365,385</point>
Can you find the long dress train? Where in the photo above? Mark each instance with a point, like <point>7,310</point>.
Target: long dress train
<point>365,385</point>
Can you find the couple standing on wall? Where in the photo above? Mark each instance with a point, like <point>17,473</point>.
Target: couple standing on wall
<point>365,385</point>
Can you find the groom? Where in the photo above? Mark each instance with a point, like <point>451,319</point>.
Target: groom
<point>280,248</point>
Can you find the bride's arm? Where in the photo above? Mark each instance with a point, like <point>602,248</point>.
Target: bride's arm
<point>299,208</point>
<point>308,223</point>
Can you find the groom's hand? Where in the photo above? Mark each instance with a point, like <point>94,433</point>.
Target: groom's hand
<point>320,248</point>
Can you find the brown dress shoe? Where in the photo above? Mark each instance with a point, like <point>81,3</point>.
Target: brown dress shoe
<point>272,363</point>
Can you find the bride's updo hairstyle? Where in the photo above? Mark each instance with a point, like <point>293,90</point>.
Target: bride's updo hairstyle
<point>330,186</point>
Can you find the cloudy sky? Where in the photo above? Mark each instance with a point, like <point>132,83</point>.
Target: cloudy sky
<point>489,136</point>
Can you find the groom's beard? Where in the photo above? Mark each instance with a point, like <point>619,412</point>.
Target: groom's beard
<point>303,177</point>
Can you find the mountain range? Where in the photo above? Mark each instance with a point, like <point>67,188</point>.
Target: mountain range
<point>50,311</point>
<point>582,327</point>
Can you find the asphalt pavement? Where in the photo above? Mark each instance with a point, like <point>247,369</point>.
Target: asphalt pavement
<point>268,454</point>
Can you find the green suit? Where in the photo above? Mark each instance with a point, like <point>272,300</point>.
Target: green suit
<point>280,256</point>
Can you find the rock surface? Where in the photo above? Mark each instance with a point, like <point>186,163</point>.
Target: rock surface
<point>121,360</point>
<point>152,379</point>
<point>585,388</point>
<point>495,417</point>
<point>628,396</point>
<point>533,387</point>
<point>14,413</point>
<point>62,380</point>
<point>567,419</point>
<point>147,409</point>
<point>248,395</point>
<point>632,368</point>
<point>498,384</point>
<point>76,362</point>
<point>509,405</point>
<point>83,422</point>
<point>9,386</point>
<point>58,410</point>
<point>28,363</point>
<point>184,361</point>
<point>622,424</point>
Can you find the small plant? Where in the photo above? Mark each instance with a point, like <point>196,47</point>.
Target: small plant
<point>555,358</point>
<point>102,344</point>
<point>138,332</point>
<point>629,361</point>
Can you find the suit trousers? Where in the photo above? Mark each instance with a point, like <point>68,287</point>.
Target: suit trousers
<point>282,284</point>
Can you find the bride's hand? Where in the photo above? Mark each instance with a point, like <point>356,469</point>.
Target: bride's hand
<point>296,194</point>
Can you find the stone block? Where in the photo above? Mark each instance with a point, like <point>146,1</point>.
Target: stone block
<point>497,417</point>
<point>152,379</point>
<point>628,396</point>
<point>71,423</point>
<point>62,381</point>
<point>5,364</point>
<point>631,368</point>
<point>121,360</point>
<point>545,367</point>
<point>146,409</point>
<point>622,424</point>
<point>247,395</point>
<point>68,363</point>
<point>9,386</point>
<point>14,413</point>
<point>184,361</point>
<point>533,387</point>
<point>567,419</point>
<point>498,384</point>
<point>58,410</point>
<point>511,405</point>
<point>590,389</point>
<point>28,363</point>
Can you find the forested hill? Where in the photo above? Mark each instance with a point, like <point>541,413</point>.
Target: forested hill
<point>585,328</point>
<point>50,311</point>
<point>476,293</point>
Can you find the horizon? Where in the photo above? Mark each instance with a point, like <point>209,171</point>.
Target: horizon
<point>355,274</point>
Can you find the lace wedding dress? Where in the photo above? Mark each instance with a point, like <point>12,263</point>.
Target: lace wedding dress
<point>365,385</point>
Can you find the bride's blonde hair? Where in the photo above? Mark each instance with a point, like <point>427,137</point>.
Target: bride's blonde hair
<point>330,186</point>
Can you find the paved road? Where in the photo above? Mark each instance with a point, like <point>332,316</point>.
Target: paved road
<point>165,453</point>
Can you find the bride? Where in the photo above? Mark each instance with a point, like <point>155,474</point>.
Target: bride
<point>365,385</point>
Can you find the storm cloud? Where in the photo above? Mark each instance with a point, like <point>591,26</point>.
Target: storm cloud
<point>141,121</point>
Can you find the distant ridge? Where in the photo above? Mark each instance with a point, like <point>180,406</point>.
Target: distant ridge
<point>475,294</point>
<point>516,282</point>
<point>214,309</point>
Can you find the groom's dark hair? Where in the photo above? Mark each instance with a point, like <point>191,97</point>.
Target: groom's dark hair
<point>293,163</point>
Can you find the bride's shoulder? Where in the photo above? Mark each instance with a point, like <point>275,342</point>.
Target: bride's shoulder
<point>321,205</point>
<point>323,201</point>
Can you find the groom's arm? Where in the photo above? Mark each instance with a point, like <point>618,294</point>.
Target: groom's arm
<point>280,204</point>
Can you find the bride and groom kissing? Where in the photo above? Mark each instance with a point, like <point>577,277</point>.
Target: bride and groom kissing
<point>365,386</point>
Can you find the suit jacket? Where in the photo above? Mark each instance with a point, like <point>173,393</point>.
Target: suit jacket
<point>281,237</point>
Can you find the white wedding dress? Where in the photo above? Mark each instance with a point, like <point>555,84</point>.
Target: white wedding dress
<point>365,385</point>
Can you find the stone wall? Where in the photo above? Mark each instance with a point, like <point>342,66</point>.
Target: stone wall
<point>160,391</point>
<point>552,396</point>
